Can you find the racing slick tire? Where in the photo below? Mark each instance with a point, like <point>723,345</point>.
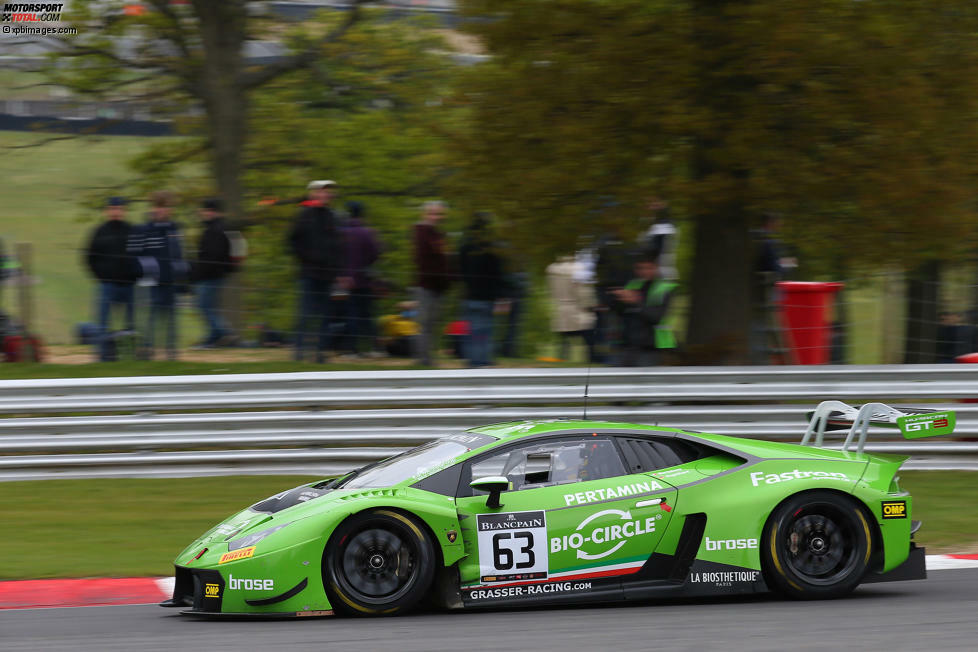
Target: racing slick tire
<point>816,545</point>
<point>378,562</point>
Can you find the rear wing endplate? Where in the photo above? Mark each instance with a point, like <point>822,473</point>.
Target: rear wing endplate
<point>914,423</point>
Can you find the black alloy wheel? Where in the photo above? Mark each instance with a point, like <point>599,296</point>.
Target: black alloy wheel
<point>817,545</point>
<point>379,562</point>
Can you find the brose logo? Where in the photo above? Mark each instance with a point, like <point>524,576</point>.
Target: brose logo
<point>730,544</point>
<point>250,584</point>
<point>212,590</point>
<point>894,509</point>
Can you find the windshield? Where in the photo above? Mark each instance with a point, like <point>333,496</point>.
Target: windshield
<point>425,459</point>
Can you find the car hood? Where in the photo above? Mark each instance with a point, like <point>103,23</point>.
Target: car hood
<point>284,507</point>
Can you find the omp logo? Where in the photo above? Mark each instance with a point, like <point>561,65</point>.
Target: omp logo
<point>250,584</point>
<point>244,553</point>
<point>758,477</point>
<point>212,590</point>
<point>730,544</point>
<point>894,509</point>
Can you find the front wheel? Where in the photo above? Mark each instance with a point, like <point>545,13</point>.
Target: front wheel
<point>816,545</point>
<point>378,562</point>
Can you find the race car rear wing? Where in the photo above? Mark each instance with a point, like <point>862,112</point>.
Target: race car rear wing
<point>913,423</point>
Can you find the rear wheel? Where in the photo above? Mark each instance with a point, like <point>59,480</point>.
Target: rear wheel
<point>816,545</point>
<point>378,562</point>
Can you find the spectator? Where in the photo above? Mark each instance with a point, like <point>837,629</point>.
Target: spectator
<point>770,265</point>
<point>612,270</point>
<point>160,255</point>
<point>661,240</point>
<point>399,330</point>
<point>571,304</point>
<point>953,337</point>
<point>431,263</point>
<point>770,250</point>
<point>316,240</point>
<point>110,260</point>
<point>515,289</point>
<point>645,302</point>
<point>482,275</point>
<point>362,251</point>
<point>209,269</point>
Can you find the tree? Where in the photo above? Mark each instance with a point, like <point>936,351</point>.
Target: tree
<point>180,56</point>
<point>854,119</point>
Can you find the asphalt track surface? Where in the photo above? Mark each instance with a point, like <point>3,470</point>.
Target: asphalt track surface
<point>940,613</point>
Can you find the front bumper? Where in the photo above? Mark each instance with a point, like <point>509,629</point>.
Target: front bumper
<point>203,591</point>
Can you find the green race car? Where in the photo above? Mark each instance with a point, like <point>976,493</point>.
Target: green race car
<point>555,512</point>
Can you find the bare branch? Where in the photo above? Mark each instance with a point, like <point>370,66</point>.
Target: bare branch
<point>175,30</point>
<point>304,58</point>
<point>39,143</point>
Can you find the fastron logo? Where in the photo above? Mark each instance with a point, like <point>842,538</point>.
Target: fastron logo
<point>250,584</point>
<point>730,544</point>
<point>605,534</point>
<point>758,477</point>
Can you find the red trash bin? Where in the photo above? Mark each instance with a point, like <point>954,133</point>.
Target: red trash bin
<point>968,358</point>
<point>804,317</point>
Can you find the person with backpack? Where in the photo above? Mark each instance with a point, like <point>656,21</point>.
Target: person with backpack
<point>210,269</point>
<point>109,257</point>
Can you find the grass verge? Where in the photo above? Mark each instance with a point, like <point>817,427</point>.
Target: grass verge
<point>125,527</point>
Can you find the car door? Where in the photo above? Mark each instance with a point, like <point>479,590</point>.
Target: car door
<point>573,524</point>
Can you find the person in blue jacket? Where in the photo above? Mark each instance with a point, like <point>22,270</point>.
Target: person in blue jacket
<point>159,252</point>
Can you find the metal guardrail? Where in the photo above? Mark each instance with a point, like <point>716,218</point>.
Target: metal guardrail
<point>329,422</point>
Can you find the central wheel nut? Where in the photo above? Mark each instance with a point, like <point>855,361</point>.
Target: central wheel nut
<point>376,561</point>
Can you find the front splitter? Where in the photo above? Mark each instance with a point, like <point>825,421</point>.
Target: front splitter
<point>256,616</point>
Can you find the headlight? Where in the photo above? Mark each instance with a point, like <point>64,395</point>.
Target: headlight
<point>252,539</point>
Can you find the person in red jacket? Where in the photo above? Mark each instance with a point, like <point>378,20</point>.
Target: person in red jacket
<point>431,263</point>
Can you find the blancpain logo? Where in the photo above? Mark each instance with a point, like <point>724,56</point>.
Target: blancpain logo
<point>757,477</point>
<point>510,524</point>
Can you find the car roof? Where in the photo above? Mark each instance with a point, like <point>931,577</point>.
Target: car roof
<point>512,430</point>
<point>509,431</point>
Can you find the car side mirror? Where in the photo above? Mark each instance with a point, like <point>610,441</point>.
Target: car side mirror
<point>495,485</point>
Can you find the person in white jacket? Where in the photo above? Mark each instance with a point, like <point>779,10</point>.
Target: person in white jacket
<point>571,304</point>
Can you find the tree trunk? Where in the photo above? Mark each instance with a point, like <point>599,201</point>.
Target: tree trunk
<point>223,31</point>
<point>720,314</point>
<point>923,295</point>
